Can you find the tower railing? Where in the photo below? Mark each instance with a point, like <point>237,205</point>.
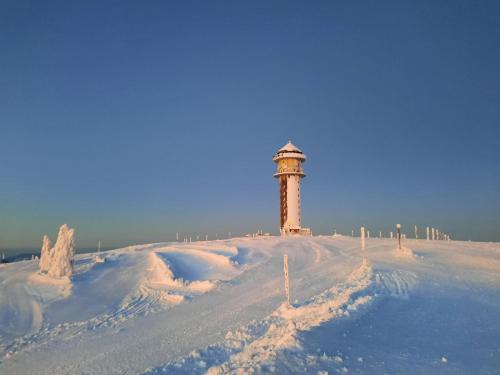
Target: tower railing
<point>290,170</point>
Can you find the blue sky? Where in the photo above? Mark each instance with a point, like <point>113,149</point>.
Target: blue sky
<point>132,121</point>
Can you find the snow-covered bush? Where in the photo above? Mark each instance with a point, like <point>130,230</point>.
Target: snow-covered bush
<point>58,261</point>
<point>45,254</point>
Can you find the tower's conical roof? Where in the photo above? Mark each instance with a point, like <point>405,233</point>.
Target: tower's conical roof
<point>289,147</point>
<point>289,151</point>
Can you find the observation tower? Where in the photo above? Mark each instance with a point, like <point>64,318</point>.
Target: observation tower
<point>289,171</point>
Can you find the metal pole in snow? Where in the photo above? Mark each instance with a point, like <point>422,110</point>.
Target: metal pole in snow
<point>427,233</point>
<point>398,227</point>
<point>362,231</point>
<point>287,282</point>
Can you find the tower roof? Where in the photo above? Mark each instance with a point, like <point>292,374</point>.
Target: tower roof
<point>289,151</point>
<point>289,147</point>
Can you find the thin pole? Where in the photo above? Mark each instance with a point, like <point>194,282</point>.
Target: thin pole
<point>398,226</point>
<point>362,231</point>
<point>287,283</point>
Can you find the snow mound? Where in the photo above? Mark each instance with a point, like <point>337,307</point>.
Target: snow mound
<point>404,252</point>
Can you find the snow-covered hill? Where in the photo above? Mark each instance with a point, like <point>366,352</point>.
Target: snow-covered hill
<point>218,307</point>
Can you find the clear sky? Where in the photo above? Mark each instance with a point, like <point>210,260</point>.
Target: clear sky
<point>132,121</point>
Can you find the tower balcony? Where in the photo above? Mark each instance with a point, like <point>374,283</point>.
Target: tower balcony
<point>294,171</point>
<point>289,155</point>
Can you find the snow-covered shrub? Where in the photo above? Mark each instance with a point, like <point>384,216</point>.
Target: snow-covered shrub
<point>45,254</point>
<point>58,261</point>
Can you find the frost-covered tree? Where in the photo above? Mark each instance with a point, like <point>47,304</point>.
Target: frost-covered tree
<point>61,260</point>
<point>45,254</point>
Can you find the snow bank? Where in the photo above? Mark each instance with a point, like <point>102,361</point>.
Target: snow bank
<point>161,284</point>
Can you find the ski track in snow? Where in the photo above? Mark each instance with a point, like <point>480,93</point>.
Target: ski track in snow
<point>216,306</point>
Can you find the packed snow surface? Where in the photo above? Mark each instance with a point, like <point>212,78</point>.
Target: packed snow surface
<point>218,307</point>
